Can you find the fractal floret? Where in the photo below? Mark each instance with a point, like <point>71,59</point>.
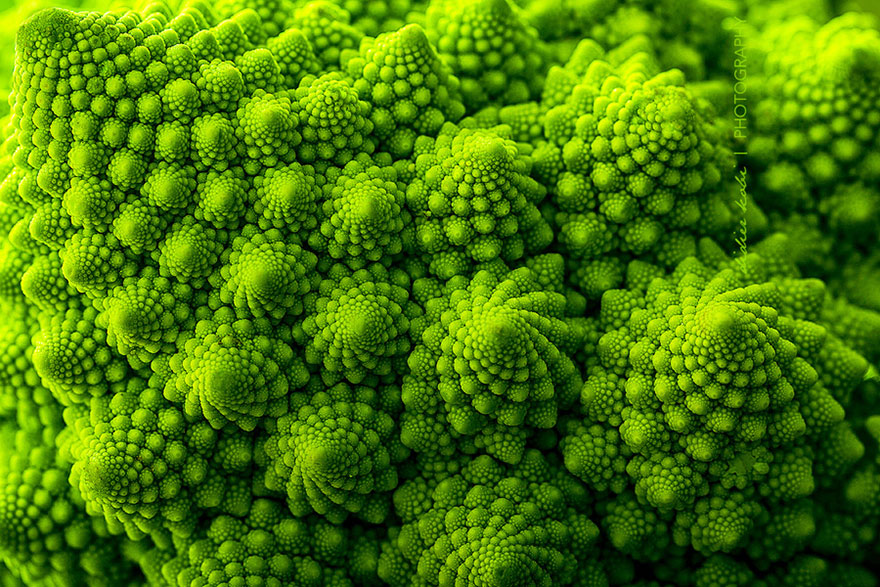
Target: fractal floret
<point>494,524</point>
<point>269,547</point>
<point>359,326</point>
<point>815,150</point>
<point>363,216</point>
<point>717,397</point>
<point>633,164</point>
<point>233,372</point>
<point>337,451</point>
<point>496,54</point>
<point>411,90</point>
<point>149,468</point>
<point>492,363</point>
<point>486,293</point>
<point>477,201</point>
<point>47,535</point>
<point>266,276</point>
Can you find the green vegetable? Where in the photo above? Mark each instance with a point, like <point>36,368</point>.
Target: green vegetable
<point>440,293</point>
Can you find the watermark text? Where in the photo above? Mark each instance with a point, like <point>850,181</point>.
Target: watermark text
<point>740,139</point>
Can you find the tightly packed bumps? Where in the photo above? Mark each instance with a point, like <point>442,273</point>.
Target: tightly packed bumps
<point>491,365</point>
<point>495,525</point>
<point>338,452</point>
<point>457,293</point>
<point>476,201</point>
<point>711,398</point>
<point>816,144</point>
